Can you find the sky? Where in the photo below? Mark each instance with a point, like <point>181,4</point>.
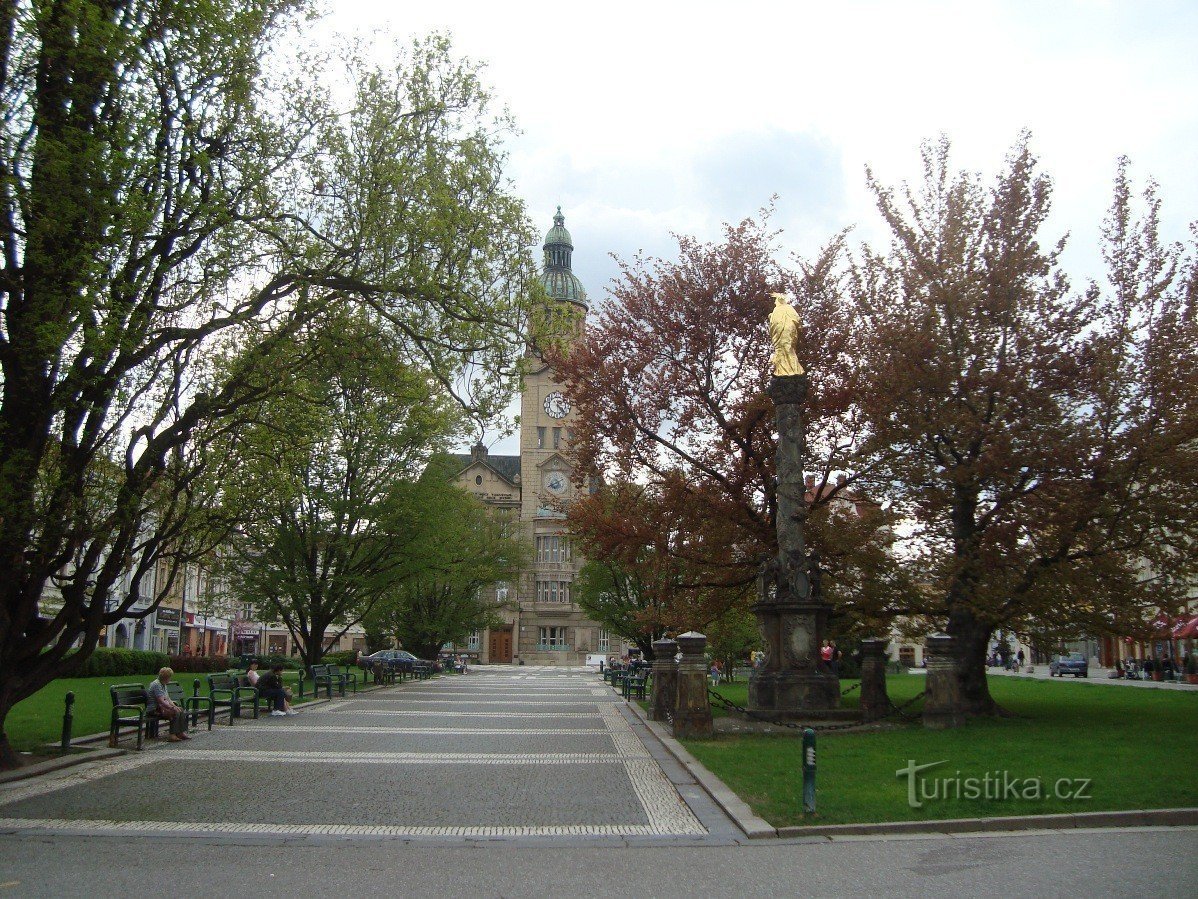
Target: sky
<point>643,119</point>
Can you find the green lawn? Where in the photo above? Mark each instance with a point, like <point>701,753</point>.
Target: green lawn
<point>38,719</point>
<point>1137,747</point>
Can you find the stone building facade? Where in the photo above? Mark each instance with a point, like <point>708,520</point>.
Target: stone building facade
<point>542,624</point>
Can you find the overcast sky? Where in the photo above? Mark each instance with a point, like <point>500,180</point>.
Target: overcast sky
<point>647,118</point>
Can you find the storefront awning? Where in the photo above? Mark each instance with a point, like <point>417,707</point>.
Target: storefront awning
<point>1186,628</point>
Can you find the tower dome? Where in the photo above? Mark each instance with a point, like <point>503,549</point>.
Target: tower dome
<point>560,282</point>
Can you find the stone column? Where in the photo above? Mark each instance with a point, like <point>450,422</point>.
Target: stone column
<point>791,684</point>
<point>942,707</point>
<point>665,680</point>
<point>875,703</point>
<point>692,709</point>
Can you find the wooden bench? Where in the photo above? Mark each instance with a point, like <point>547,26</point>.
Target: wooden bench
<point>331,676</point>
<point>227,692</point>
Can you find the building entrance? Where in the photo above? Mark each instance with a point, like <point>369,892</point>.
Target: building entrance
<point>500,645</point>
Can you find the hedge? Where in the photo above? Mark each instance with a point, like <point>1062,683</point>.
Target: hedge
<point>345,657</point>
<point>105,662</point>
<point>197,664</point>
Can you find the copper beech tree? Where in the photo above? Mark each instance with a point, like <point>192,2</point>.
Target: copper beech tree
<point>672,376</point>
<point>1040,437</point>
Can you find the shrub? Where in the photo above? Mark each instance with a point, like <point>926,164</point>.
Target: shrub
<point>112,662</point>
<point>345,657</point>
<point>198,664</point>
<point>288,663</point>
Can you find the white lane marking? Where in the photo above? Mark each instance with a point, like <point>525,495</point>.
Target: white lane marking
<point>462,731</point>
<point>396,758</point>
<point>581,830</point>
<point>442,713</point>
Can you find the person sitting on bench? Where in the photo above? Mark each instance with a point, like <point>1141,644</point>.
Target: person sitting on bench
<point>159,703</point>
<point>270,686</point>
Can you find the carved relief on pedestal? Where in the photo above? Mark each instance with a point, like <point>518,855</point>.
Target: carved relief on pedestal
<point>799,648</point>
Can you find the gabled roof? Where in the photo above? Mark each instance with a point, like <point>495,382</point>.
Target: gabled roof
<point>507,467</point>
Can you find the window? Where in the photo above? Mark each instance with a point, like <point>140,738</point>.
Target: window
<point>474,641</point>
<point>553,549</point>
<point>551,638</point>
<point>604,641</point>
<point>501,591</point>
<point>478,479</point>
<point>540,438</point>
<point>557,438</point>
<point>553,591</point>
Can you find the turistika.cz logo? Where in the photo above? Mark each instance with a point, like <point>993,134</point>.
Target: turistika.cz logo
<point>1000,786</point>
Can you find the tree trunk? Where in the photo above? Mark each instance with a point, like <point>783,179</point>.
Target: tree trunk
<point>973,640</point>
<point>9,758</point>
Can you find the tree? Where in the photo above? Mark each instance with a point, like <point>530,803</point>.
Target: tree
<point>673,374</point>
<point>327,502</point>
<point>168,189</point>
<point>462,548</point>
<point>621,602</point>
<point>1041,439</point>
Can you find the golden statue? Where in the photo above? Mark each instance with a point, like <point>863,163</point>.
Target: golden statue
<point>784,332</point>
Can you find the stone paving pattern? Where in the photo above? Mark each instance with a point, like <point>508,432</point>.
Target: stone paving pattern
<point>497,753</point>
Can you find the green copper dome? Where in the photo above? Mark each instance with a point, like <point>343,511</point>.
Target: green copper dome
<point>560,282</point>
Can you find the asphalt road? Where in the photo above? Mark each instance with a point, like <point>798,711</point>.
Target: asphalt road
<point>1159,863</point>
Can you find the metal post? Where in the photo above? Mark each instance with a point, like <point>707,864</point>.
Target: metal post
<point>195,687</point>
<point>808,771</point>
<point>66,722</point>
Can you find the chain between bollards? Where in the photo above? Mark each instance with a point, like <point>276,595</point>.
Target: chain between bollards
<point>67,720</point>
<point>808,771</point>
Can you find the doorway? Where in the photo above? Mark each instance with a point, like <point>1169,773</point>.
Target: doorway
<point>500,645</point>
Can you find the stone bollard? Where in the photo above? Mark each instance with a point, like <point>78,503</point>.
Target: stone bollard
<point>665,680</point>
<point>692,709</point>
<point>875,703</point>
<point>942,706</point>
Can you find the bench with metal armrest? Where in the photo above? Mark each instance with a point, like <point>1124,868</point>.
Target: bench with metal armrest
<point>330,676</point>
<point>226,691</point>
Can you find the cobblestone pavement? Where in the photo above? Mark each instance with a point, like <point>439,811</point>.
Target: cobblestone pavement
<point>500,754</point>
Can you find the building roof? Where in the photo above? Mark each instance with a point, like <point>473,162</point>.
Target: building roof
<point>560,281</point>
<point>507,467</point>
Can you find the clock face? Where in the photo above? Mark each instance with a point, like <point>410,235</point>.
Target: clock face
<point>556,405</point>
<point>555,483</point>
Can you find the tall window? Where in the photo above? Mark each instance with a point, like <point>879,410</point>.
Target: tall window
<point>557,438</point>
<point>540,438</point>
<point>604,641</point>
<point>474,641</point>
<point>553,549</point>
<point>553,591</point>
<point>551,637</point>
<point>501,591</point>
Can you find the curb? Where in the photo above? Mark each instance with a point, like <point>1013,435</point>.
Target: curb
<point>67,761</point>
<point>734,807</point>
<point>1165,817</point>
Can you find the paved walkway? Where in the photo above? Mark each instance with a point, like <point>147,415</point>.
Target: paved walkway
<point>1098,677</point>
<point>499,754</point>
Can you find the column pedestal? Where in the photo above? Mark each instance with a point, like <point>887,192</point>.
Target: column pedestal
<point>692,709</point>
<point>665,680</point>
<point>875,702</point>
<point>942,707</point>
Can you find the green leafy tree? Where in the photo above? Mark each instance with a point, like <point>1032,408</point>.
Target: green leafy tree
<point>328,502</point>
<point>169,189</point>
<point>463,547</point>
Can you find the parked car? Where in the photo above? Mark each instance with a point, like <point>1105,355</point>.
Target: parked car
<point>391,657</point>
<point>1075,663</point>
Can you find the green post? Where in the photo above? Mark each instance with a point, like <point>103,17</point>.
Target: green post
<point>66,722</point>
<point>195,687</point>
<point>808,771</point>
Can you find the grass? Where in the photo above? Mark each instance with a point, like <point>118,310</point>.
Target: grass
<point>38,719</point>
<point>1134,746</point>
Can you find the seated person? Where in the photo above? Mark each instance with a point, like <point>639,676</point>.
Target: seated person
<point>158,702</point>
<point>270,686</point>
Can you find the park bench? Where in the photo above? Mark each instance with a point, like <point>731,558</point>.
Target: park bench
<point>129,709</point>
<point>330,676</point>
<point>422,670</point>
<point>226,691</point>
<point>617,678</point>
<point>635,685</point>
<point>351,677</point>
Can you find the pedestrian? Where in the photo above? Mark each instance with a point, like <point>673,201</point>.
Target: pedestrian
<point>825,655</point>
<point>836,657</point>
<point>158,700</point>
<point>1019,657</point>
<point>715,673</point>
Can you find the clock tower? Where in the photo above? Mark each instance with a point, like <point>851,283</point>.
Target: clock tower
<point>542,622</point>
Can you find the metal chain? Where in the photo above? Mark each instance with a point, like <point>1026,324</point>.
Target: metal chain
<point>847,690</point>
<point>895,710</point>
